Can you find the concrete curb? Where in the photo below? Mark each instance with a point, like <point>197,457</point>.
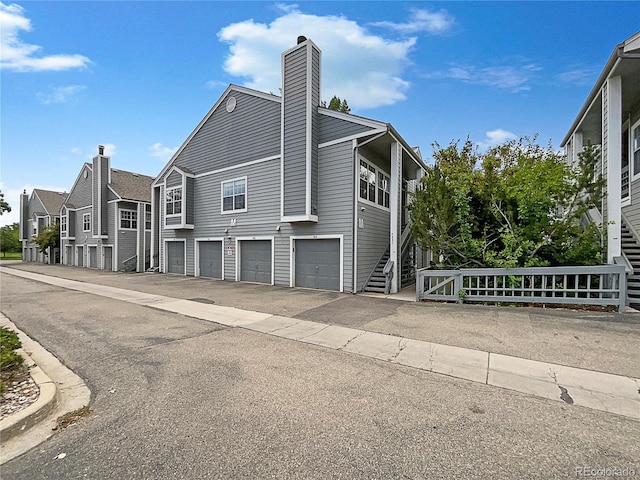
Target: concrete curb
<point>22,420</point>
<point>61,392</point>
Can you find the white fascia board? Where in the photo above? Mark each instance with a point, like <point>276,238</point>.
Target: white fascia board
<point>114,192</point>
<point>352,137</point>
<point>299,218</point>
<point>367,122</point>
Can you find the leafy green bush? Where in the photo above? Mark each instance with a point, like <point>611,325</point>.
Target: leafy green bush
<point>11,362</point>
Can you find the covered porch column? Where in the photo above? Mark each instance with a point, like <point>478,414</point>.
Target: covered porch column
<point>395,207</point>
<point>611,150</point>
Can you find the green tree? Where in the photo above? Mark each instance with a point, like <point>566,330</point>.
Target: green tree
<point>339,105</point>
<point>9,239</point>
<point>49,238</point>
<point>4,206</point>
<point>518,204</point>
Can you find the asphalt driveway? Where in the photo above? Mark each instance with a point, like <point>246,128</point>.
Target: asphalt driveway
<point>176,397</point>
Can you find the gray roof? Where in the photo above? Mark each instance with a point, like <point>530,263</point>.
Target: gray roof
<point>131,186</point>
<point>51,201</point>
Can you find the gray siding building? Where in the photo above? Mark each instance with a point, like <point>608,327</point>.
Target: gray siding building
<point>105,222</point>
<point>280,190</point>
<point>610,119</point>
<point>39,211</point>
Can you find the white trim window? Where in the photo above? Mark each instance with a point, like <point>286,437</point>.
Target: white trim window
<point>375,185</point>
<point>147,217</point>
<point>234,195</point>
<point>86,222</point>
<point>63,223</point>
<point>128,220</point>
<point>635,148</point>
<point>173,201</point>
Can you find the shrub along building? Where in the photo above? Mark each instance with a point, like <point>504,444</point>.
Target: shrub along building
<point>280,190</point>
<point>38,211</point>
<point>610,118</point>
<point>105,222</point>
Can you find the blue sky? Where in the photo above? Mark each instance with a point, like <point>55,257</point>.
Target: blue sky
<point>138,77</point>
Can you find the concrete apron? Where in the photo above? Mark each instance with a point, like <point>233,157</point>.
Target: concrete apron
<point>600,391</point>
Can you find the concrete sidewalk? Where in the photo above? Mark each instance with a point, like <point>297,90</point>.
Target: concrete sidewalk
<point>597,390</point>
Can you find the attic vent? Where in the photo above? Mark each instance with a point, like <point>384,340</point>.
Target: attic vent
<point>231,104</point>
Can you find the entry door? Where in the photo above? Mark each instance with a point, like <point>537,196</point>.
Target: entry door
<point>210,259</point>
<point>175,257</point>
<point>107,260</point>
<point>317,264</point>
<point>255,261</point>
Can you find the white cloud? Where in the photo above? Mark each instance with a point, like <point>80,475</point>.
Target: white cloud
<point>514,78</point>
<point>422,20</point>
<point>109,150</point>
<point>577,75</point>
<point>215,84</point>
<point>21,57</point>
<point>496,137</point>
<point>61,94</point>
<point>365,69</point>
<point>157,150</point>
<point>12,197</point>
<point>76,150</point>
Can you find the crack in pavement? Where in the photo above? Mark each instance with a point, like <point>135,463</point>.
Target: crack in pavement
<point>402,344</point>
<point>352,339</point>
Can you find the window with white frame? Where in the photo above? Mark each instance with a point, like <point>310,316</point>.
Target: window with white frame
<point>635,147</point>
<point>86,222</point>
<point>374,184</point>
<point>63,223</point>
<point>173,201</point>
<point>128,219</point>
<point>234,195</point>
<point>147,217</point>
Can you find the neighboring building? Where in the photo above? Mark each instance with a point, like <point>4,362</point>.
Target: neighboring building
<point>105,223</point>
<point>610,118</point>
<point>282,191</point>
<point>38,211</point>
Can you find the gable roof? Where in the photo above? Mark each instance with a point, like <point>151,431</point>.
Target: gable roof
<point>131,186</point>
<point>51,201</point>
<point>629,48</point>
<point>230,88</point>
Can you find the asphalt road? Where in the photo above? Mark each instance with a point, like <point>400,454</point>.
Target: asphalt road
<point>179,398</point>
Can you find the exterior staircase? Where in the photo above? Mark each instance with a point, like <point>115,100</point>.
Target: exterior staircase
<point>631,249</point>
<point>377,280</point>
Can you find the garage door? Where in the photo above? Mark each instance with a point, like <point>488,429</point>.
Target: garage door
<point>317,264</point>
<point>107,261</point>
<point>80,257</point>
<point>255,261</point>
<point>93,257</point>
<point>210,259</point>
<point>175,257</point>
<point>68,255</point>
